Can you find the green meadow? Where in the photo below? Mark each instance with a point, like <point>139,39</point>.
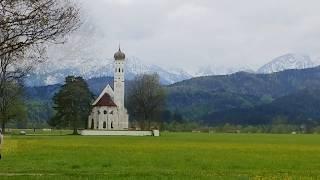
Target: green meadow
<point>171,156</point>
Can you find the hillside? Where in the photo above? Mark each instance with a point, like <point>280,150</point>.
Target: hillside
<point>275,84</point>
<point>203,95</point>
<point>201,98</point>
<point>302,107</point>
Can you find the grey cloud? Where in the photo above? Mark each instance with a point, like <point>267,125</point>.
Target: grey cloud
<point>192,33</point>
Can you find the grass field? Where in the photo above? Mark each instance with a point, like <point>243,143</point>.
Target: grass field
<point>171,156</point>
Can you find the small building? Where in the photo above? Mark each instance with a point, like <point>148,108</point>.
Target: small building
<point>108,112</point>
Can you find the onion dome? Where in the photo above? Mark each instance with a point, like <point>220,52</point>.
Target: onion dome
<point>119,55</point>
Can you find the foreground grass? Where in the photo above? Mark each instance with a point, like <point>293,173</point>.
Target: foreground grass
<point>171,156</point>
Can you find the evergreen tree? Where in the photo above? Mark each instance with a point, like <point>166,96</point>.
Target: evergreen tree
<point>72,104</point>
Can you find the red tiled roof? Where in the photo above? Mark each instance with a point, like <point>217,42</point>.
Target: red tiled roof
<point>105,100</point>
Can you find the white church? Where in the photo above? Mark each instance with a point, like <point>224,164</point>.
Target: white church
<point>108,112</point>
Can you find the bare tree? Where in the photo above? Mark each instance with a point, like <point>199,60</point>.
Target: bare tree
<point>26,27</point>
<point>146,99</point>
<point>25,23</point>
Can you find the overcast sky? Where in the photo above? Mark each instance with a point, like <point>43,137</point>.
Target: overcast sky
<point>192,33</point>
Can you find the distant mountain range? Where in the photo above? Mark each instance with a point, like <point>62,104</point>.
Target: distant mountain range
<point>52,73</point>
<point>245,98</point>
<point>281,63</point>
<point>49,73</point>
<point>211,70</point>
<point>226,98</point>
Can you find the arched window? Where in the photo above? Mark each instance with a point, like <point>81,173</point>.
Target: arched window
<point>104,125</point>
<point>105,112</point>
<point>122,70</point>
<point>111,125</point>
<point>119,69</point>
<point>92,124</point>
<point>98,112</point>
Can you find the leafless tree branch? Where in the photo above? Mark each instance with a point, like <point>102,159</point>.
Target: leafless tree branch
<point>26,26</point>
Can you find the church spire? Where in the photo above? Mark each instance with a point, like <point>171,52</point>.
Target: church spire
<point>119,77</point>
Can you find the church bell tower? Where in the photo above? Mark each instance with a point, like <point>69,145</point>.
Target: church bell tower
<point>119,63</point>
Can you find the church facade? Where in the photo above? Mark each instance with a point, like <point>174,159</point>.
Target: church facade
<point>109,112</point>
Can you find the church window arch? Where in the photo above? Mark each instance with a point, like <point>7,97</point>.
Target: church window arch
<point>104,125</point>
<point>119,69</point>
<point>111,125</point>
<point>92,124</point>
<point>105,112</point>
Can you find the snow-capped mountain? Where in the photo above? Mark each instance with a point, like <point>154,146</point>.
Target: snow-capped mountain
<point>135,66</point>
<point>87,53</point>
<point>210,70</point>
<point>288,61</point>
<point>52,73</point>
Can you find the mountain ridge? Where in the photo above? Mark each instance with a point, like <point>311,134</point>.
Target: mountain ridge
<point>287,61</point>
<point>200,96</point>
<point>52,73</point>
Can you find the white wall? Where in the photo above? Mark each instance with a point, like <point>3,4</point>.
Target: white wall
<point>116,133</point>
